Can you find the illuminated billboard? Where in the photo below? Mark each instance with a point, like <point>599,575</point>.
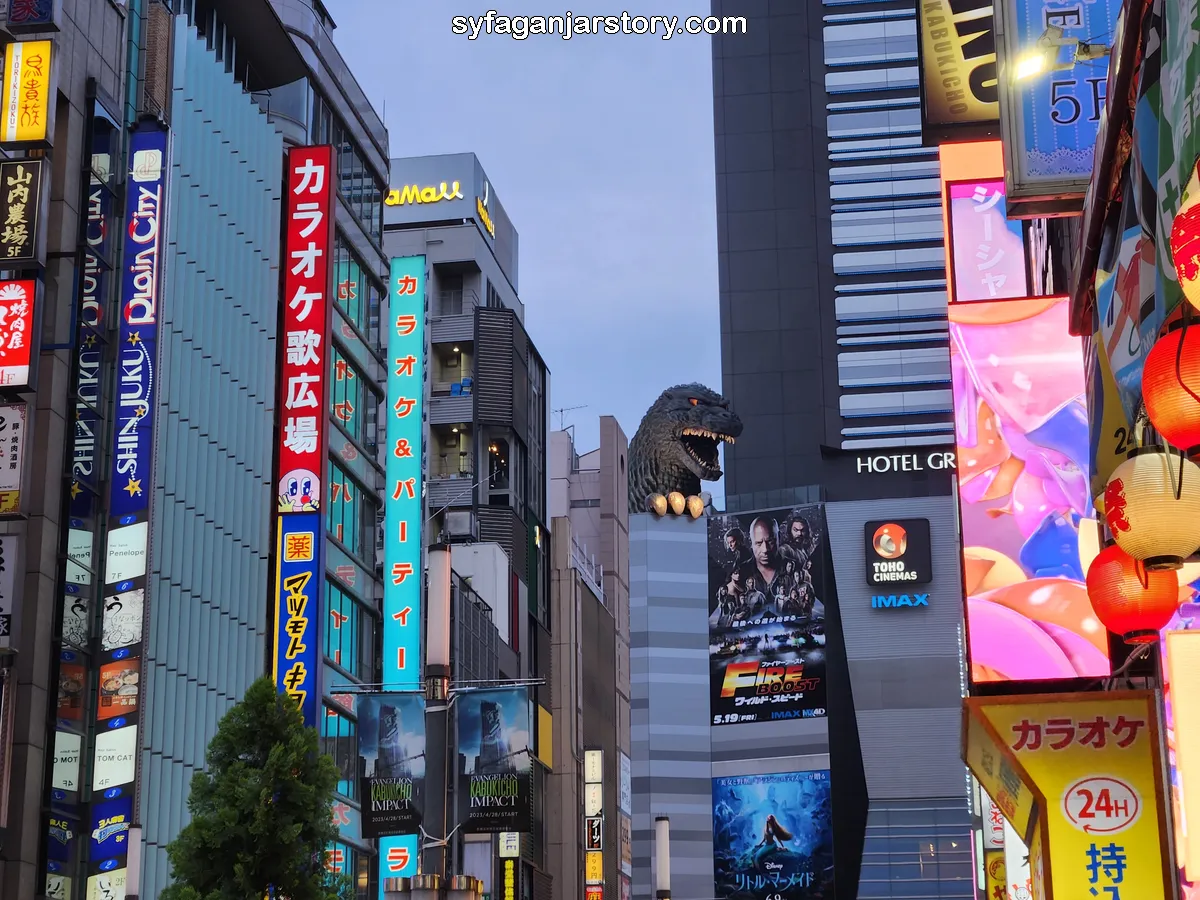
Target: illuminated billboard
<point>118,702</point>
<point>766,625</point>
<point>403,509</point>
<point>1028,527</point>
<point>26,110</point>
<point>299,586</point>
<point>958,64</point>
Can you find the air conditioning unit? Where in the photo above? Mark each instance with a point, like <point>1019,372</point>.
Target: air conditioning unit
<point>461,526</point>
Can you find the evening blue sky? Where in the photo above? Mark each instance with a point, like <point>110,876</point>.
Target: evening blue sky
<point>601,148</point>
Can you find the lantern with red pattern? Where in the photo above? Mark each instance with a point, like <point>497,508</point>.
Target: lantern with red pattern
<point>1185,241</point>
<point>1152,507</point>
<point>1171,387</point>
<point>1131,600</point>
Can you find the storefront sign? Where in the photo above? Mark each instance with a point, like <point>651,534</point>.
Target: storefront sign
<point>593,833</point>
<point>30,16</point>
<point>1050,102</point>
<point>938,461</point>
<point>13,429</point>
<point>958,63</point>
<point>1092,764</point>
<point>18,304</point>
<point>413,193</point>
<point>481,207</point>
<point>593,892</point>
<point>20,207</point>
<point>510,882</point>
<point>510,844</point>
<point>305,347</point>
<point>593,867</point>
<point>299,586</point>
<point>25,106</point>
<point>898,551</point>
<point>8,586</point>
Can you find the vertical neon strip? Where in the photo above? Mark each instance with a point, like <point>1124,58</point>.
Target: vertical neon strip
<point>304,411</point>
<point>403,510</point>
<point>119,655</point>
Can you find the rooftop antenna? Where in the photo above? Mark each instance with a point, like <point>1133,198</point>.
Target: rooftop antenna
<point>562,414</point>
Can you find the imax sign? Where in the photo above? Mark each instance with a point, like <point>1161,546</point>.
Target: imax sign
<point>891,601</point>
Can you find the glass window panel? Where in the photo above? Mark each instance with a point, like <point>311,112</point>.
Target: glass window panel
<point>870,42</point>
<point>897,170</point>
<point>906,188</point>
<point>339,740</point>
<point>874,123</point>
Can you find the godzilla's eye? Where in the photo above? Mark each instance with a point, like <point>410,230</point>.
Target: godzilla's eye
<point>694,401</point>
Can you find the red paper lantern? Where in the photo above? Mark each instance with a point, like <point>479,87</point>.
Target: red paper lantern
<point>1171,387</point>
<point>1129,599</point>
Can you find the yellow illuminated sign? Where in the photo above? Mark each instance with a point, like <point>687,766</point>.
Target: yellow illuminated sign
<point>413,193</point>
<point>593,867</point>
<point>958,62</point>
<point>25,107</point>
<point>510,880</point>
<point>485,217</point>
<point>994,770</point>
<point>1092,763</point>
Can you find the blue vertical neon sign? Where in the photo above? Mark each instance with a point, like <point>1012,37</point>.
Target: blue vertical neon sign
<point>403,510</point>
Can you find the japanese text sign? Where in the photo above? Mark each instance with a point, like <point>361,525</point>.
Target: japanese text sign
<point>402,514</point>
<point>299,586</point>
<point>996,774</point>
<point>593,867</point>
<point>18,303</point>
<point>958,63</point>
<point>305,339</point>
<point>1092,762</point>
<point>12,447</point>
<point>25,106</point>
<point>30,16</point>
<point>988,250</point>
<point>8,586</point>
<point>20,207</point>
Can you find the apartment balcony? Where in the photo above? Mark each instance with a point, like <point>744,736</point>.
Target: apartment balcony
<point>451,479</point>
<point>454,316</point>
<point>451,403</point>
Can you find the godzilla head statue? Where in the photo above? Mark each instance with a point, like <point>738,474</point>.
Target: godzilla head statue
<point>675,448</point>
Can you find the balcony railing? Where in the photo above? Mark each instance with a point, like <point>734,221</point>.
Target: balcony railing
<point>457,302</point>
<point>451,464</point>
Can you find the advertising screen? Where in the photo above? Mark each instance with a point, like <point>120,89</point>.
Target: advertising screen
<point>766,625</point>
<point>1181,665</point>
<point>773,837</point>
<point>1028,526</point>
<point>495,764</point>
<point>391,747</point>
<point>987,249</point>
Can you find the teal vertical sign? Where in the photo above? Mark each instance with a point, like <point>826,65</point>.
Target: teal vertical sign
<point>403,511</point>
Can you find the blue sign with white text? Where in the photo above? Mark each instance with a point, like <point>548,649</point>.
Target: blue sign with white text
<point>299,586</point>
<point>403,510</point>
<point>1060,93</point>
<point>110,820</point>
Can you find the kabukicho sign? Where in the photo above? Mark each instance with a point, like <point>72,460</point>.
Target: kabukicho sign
<point>958,62</point>
<point>938,461</point>
<point>415,193</point>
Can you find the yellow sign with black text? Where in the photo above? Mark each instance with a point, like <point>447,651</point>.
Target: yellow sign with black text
<point>958,64</point>
<point>1092,763</point>
<point>25,105</point>
<point>593,867</point>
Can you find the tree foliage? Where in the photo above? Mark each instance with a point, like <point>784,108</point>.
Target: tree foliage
<point>261,815</point>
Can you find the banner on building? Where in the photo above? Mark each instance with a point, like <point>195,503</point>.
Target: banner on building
<point>306,315</point>
<point>773,837</point>
<point>391,749</point>
<point>958,65</point>
<point>299,586</point>
<point>13,433</point>
<point>495,762</point>
<point>26,106</point>
<point>403,541</point>
<point>118,705</point>
<point>766,622</point>
<point>1091,765</point>
<point>1051,100</point>
<point>21,218</point>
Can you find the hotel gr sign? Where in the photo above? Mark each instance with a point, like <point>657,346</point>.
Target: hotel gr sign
<point>938,461</point>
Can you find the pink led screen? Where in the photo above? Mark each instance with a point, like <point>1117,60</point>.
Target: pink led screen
<point>1028,526</point>
<point>988,249</point>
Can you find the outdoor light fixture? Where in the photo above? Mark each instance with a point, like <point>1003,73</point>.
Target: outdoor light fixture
<point>1129,599</point>
<point>1044,58</point>
<point>1152,505</point>
<point>662,858</point>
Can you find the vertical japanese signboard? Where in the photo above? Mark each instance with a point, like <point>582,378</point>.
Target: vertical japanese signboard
<point>31,16</point>
<point>26,112</point>
<point>20,211</point>
<point>403,514</point>
<point>303,405</point>
<point>12,456</point>
<point>1091,763</point>
<point>118,705</point>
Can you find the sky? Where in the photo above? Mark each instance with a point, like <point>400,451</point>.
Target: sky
<point>601,150</point>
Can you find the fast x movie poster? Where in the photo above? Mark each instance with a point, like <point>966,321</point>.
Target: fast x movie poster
<point>766,625</point>
<point>773,837</point>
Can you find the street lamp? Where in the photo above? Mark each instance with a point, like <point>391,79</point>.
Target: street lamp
<point>1045,55</point>
<point>662,858</point>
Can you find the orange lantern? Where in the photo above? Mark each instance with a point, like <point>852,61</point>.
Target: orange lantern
<point>1171,387</point>
<point>1131,600</point>
<point>1152,507</point>
<point>1185,241</point>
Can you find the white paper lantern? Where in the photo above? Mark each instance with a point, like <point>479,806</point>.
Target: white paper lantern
<point>1144,515</point>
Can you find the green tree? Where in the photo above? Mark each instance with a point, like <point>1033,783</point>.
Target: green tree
<point>261,813</point>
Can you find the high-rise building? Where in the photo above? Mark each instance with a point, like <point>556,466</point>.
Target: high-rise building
<point>592,824</point>
<point>485,438</point>
<point>835,353</point>
<point>154,615</point>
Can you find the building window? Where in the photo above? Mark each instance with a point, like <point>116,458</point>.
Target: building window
<point>352,515</point>
<point>357,184</point>
<point>339,739</point>
<point>355,405</point>
<point>344,860</point>
<point>349,634</point>
<point>357,293</point>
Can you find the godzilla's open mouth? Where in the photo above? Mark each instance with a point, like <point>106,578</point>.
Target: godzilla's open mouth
<point>701,446</point>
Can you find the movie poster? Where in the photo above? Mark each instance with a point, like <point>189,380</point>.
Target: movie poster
<point>773,837</point>
<point>766,624</point>
<point>495,766</point>
<point>391,747</point>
